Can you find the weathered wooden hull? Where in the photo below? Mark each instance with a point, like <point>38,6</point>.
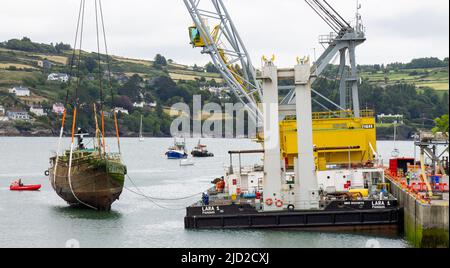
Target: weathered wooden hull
<point>95,185</point>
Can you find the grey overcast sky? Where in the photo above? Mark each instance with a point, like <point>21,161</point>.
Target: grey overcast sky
<point>397,30</point>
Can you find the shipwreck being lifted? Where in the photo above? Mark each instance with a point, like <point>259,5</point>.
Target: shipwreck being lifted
<point>88,177</point>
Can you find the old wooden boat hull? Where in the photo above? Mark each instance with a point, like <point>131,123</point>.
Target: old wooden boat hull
<point>96,184</point>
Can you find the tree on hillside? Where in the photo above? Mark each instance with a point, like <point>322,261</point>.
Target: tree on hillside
<point>165,88</point>
<point>132,88</point>
<point>25,44</point>
<point>90,64</point>
<point>441,124</point>
<point>425,63</point>
<point>210,68</point>
<point>160,61</point>
<point>124,102</point>
<point>60,47</point>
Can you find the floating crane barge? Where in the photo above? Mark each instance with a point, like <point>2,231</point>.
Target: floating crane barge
<point>320,170</point>
<point>246,216</point>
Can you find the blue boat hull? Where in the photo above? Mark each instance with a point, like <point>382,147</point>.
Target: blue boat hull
<point>176,155</point>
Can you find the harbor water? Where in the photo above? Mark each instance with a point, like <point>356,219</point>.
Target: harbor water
<point>42,219</point>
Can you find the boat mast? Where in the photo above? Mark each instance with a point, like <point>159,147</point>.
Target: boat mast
<point>140,129</point>
<point>97,130</point>
<point>116,123</point>
<point>100,76</point>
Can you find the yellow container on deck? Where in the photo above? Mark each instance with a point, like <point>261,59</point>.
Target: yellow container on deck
<point>363,192</point>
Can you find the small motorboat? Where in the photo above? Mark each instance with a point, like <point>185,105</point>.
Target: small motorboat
<point>177,151</point>
<point>201,151</point>
<point>19,186</point>
<point>186,163</point>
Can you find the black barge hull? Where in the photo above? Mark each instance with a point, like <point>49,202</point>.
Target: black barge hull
<point>319,220</point>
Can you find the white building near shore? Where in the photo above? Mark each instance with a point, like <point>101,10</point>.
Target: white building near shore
<point>20,91</point>
<point>16,115</point>
<point>145,104</point>
<point>58,77</point>
<point>121,110</point>
<point>38,111</point>
<point>3,118</point>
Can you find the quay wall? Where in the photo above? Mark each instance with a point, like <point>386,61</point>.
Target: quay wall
<point>425,225</point>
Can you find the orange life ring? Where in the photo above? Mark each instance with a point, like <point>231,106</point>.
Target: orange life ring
<point>269,201</point>
<point>279,203</point>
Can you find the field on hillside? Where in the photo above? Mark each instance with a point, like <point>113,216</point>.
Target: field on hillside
<point>436,78</point>
<point>9,65</point>
<point>145,69</point>
<point>15,66</point>
<point>13,78</point>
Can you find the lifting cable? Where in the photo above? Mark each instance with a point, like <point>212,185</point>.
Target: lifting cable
<point>76,104</point>
<point>164,199</point>
<point>80,12</point>
<point>154,200</point>
<point>100,78</point>
<point>108,64</point>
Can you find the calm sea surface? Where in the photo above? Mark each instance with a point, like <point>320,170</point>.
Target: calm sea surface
<point>42,219</point>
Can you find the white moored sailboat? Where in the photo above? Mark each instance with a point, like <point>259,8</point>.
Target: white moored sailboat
<point>141,137</point>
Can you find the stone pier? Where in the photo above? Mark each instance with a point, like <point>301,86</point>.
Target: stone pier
<point>425,225</point>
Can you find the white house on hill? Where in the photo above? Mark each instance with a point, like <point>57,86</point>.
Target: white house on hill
<point>3,118</point>
<point>39,111</point>
<point>120,110</point>
<point>58,77</point>
<point>18,115</point>
<point>20,91</point>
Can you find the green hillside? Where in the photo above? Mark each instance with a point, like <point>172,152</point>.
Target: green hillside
<point>418,90</point>
<point>435,78</point>
<point>422,72</point>
<point>160,81</point>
